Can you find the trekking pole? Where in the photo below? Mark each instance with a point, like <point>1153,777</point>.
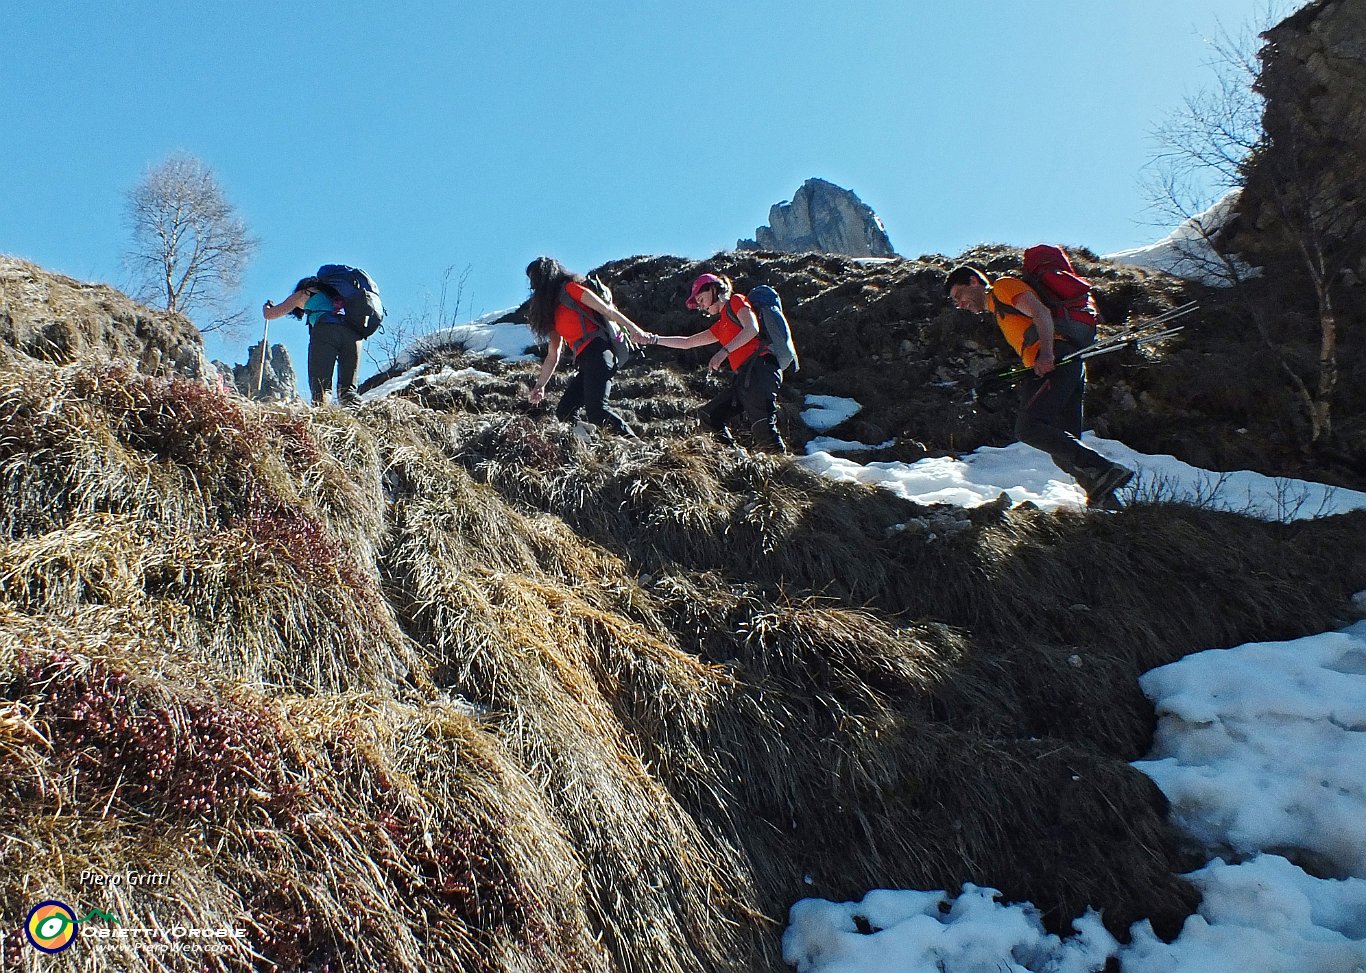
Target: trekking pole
<point>1129,334</point>
<point>1093,351</point>
<point>261,367</point>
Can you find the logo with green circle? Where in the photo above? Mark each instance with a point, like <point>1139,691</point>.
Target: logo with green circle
<point>51,926</point>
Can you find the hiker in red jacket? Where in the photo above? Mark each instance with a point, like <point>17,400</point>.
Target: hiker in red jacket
<point>565,312</point>
<point>1051,396</point>
<point>758,376</point>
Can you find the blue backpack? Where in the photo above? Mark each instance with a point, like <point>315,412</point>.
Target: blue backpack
<point>774,332</point>
<point>355,296</point>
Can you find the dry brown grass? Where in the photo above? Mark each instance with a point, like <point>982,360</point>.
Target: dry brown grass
<point>403,689</point>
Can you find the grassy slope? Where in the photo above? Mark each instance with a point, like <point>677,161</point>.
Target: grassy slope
<point>417,689</point>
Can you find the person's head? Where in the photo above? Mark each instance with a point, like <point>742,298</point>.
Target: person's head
<point>966,287</point>
<point>544,271</point>
<point>309,285</point>
<point>547,276</point>
<point>709,293</point>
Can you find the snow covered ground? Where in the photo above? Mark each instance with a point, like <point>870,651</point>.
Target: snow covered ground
<point>480,337</point>
<point>1260,748</point>
<point>1026,473</point>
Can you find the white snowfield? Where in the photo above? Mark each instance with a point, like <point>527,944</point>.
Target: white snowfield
<point>1186,251</point>
<point>1025,473</point>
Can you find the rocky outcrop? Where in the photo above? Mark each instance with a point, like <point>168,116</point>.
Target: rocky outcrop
<point>276,382</point>
<point>825,218</point>
<point>1314,161</point>
<point>52,318</point>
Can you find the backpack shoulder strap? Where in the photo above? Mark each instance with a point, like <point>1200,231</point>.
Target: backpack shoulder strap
<point>1002,306</point>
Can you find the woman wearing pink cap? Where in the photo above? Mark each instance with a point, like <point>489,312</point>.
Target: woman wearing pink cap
<point>758,376</point>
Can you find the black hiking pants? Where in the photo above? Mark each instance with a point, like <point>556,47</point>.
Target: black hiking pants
<point>590,387</point>
<point>331,347</point>
<point>1051,416</point>
<point>753,394</point>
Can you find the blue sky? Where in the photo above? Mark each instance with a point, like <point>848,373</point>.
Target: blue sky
<point>405,137</point>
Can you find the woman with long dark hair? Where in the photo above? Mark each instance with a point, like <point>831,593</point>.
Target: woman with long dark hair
<point>564,311</point>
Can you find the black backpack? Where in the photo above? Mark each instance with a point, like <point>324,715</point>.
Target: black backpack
<point>355,296</point>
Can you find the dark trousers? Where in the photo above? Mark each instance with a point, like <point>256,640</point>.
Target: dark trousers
<point>332,346</point>
<point>754,394</point>
<point>590,387</point>
<point>1051,416</point>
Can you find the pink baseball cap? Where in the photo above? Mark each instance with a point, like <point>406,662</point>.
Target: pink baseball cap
<point>697,286</point>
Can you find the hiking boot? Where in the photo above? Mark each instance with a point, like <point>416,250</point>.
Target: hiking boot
<point>1101,493</point>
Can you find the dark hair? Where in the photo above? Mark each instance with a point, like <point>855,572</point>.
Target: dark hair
<point>963,275</point>
<point>547,277</point>
<point>307,284</point>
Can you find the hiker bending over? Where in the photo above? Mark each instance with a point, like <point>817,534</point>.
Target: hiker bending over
<point>342,308</point>
<point>564,311</point>
<point>332,346</point>
<point>758,376</point>
<point>1051,395</point>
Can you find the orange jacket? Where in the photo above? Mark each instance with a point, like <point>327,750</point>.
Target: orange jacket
<point>1015,324</point>
<point>574,322</point>
<point>728,325</point>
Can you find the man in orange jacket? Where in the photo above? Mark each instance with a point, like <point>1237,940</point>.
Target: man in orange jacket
<point>1051,399</point>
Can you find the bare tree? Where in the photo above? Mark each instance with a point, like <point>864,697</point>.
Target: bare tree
<point>1310,198</point>
<point>189,244</point>
<point>1203,148</point>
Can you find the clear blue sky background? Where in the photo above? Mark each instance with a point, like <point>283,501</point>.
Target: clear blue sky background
<point>406,136</point>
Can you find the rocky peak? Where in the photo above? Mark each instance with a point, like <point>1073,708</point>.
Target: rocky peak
<point>275,382</point>
<point>825,218</point>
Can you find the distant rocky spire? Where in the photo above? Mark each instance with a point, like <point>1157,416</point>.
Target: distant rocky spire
<point>278,382</point>
<point>825,218</point>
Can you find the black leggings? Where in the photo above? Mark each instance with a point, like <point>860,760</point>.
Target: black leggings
<point>590,387</point>
<point>332,346</point>
<point>1050,419</point>
<point>753,393</point>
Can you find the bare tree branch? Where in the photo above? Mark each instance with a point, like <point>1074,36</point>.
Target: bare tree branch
<point>396,336</point>
<point>1228,138</point>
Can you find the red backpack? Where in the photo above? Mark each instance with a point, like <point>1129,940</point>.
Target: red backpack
<point>1066,293</point>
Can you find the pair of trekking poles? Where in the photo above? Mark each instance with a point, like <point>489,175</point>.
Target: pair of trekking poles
<point>1151,330</point>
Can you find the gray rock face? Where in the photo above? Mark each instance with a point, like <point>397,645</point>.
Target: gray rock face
<point>825,218</point>
<point>1314,81</point>
<point>53,318</point>
<point>277,382</point>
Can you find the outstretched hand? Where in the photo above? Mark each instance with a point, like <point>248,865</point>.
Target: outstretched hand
<point>535,395</point>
